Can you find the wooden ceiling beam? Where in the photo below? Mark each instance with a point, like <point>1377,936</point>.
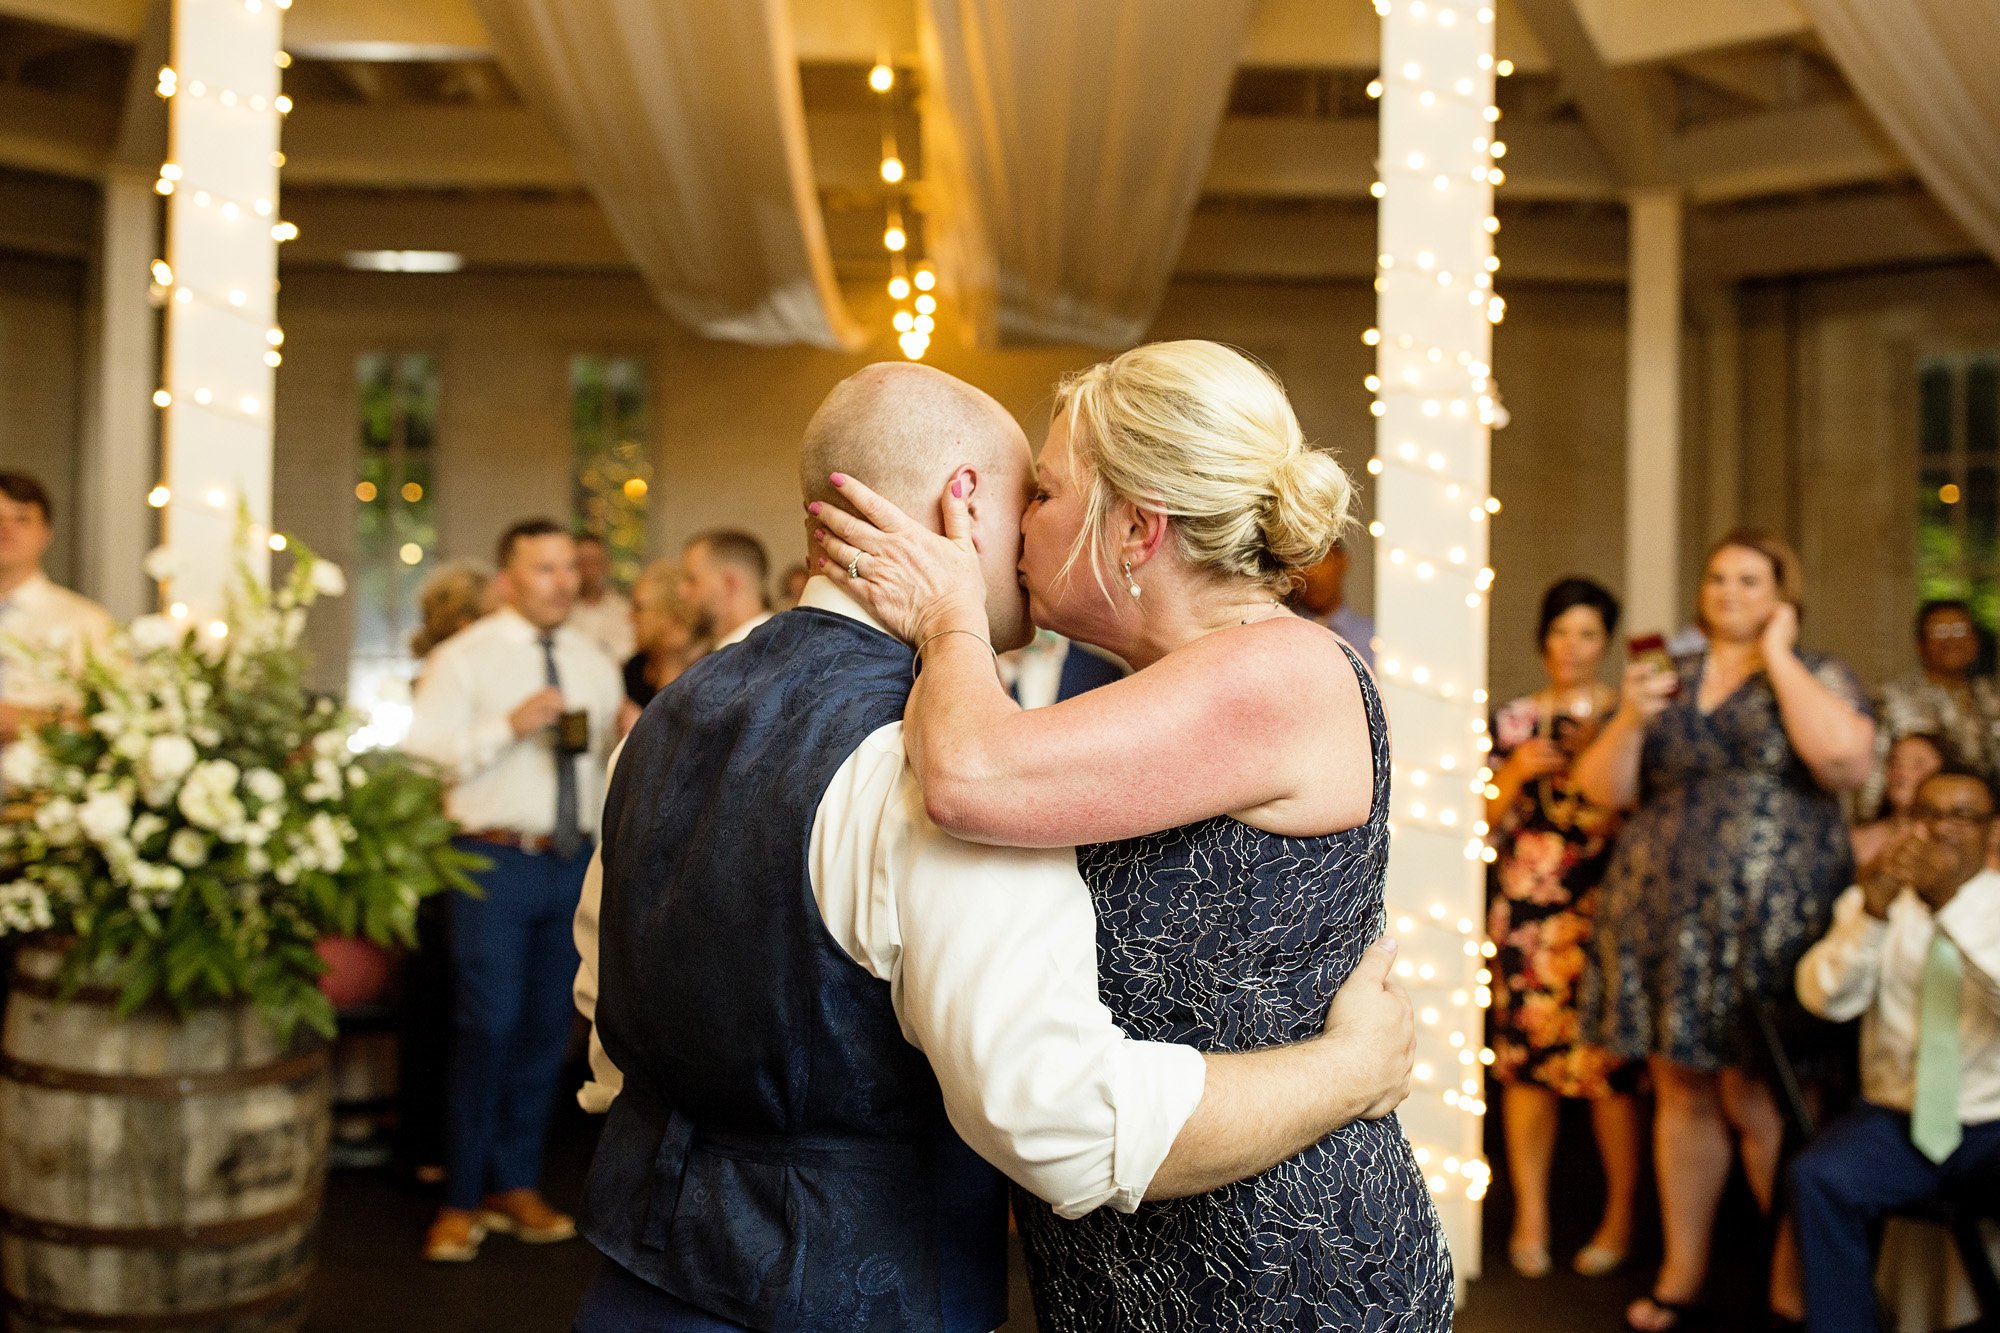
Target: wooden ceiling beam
<point>119,20</point>
<point>1791,150</point>
<point>1612,102</point>
<point>1830,234</point>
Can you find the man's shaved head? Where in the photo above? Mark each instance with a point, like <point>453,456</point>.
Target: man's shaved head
<point>908,431</point>
<point>903,428</point>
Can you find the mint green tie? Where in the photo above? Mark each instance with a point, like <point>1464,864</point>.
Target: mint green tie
<point>1934,1125</point>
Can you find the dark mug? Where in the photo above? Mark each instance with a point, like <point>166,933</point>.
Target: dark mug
<point>573,732</point>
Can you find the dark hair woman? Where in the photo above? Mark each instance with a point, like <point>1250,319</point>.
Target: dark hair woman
<point>1552,847</point>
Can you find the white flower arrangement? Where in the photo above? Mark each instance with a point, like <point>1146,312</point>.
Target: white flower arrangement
<point>198,823</point>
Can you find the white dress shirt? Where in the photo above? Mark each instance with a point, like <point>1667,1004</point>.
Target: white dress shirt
<point>44,632</point>
<point>1873,970</point>
<point>606,622</point>
<point>991,958</point>
<point>744,630</point>
<point>1033,675</point>
<point>472,683</point>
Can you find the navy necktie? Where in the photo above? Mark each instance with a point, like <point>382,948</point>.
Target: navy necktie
<point>567,840</point>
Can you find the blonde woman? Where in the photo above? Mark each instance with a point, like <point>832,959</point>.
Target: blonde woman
<point>1232,794</point>
<point>663,628</point>
<point>449,600</point>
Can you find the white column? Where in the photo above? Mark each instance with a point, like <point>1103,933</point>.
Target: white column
<point>1435,403</point>
<point>1653,414</point>
<point>118,461</point>
<point>221,183</point>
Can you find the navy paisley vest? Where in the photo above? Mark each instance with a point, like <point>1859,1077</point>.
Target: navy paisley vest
<point>780,1155</point>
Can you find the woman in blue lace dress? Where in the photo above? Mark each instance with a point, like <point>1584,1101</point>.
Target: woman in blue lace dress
<point>1229,801</point>
<point>1732,763</point>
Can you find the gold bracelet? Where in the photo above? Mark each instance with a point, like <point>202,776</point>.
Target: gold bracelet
<point>917,663</point>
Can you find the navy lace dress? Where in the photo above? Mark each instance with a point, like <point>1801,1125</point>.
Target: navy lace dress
<point>1228,938</point>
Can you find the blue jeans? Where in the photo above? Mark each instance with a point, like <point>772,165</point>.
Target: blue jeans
<point>514,961</point>
<point>1842,1184</point>
<point>617,1302</point>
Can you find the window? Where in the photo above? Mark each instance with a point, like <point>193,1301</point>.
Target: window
<point>607,396</point>
<point>395,532</point>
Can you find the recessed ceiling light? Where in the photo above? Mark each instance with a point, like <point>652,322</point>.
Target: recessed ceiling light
<point>406,261</point>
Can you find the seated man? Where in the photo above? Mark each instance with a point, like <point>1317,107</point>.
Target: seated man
<point>1914,952</point>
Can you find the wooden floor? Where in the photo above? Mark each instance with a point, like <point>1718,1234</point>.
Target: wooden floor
<point>370,1279</point>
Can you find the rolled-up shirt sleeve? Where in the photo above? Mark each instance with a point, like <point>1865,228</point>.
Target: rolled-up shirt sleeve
<point>991,956</point>
<point>1838,977</point>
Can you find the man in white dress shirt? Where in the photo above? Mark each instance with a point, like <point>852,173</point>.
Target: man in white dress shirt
<point>603,614</point>
<point>722,577</point>
<point>51,625</point>
<point>1914,953</point>
<point>518,709</point>
<point>982,959</point>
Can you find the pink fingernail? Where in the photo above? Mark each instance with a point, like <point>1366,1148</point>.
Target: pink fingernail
<point>813,508</point>
<point>838,479</point>
<point>822,562</point>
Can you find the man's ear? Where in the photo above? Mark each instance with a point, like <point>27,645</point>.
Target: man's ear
<point>965,479</point>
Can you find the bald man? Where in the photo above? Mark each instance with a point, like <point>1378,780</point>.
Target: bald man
<point>815,1008</point>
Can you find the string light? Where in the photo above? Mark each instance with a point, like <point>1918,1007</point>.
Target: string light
<point>1432,392</point>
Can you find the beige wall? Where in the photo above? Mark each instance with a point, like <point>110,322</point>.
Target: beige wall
<point>1830,438</point>
<point>41,358</point>
<point>727,419</point>
<point>1826,452</point>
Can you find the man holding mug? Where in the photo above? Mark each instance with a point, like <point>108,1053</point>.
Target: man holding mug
<point>519,710</point>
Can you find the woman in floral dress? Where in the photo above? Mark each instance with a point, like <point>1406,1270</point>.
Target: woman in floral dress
<point>1553,847</point>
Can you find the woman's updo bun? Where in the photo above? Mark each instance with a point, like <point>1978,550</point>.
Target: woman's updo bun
<point>1205,435</point>
<point>1310,502</point>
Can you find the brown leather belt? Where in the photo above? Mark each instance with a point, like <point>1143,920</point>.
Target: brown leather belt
<point>535,844</point>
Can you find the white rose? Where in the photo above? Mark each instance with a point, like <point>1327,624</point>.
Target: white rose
<point>187,848</point>
<point>265,785</point>
<point>146,827</point>
<point>57,821</point>
<point>327,579</point>
<point>21,764</point>
<point>162,563</point>
<point>105,816</point>
<point>156,633</point>
<point>169,758</point>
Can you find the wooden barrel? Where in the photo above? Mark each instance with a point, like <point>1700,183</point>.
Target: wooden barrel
<point>157,1174</point>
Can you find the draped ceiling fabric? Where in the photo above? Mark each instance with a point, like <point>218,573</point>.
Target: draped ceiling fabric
<point>1929,70</point>
<point>1066,142</point>
<point>686,120</point>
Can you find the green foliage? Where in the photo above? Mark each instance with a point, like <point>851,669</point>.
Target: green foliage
<point>199,822</point>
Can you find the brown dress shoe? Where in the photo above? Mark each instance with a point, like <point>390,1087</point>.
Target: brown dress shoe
<point>454,1237</point>
<point>525,1215</point>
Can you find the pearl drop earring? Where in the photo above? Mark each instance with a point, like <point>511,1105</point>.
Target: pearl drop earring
<point>1130,586</point>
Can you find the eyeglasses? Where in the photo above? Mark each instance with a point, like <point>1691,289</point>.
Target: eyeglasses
<point>1950,629</point>
<point>1930,814</point>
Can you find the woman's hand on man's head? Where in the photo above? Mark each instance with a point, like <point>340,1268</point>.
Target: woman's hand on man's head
<point>917,582</point>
